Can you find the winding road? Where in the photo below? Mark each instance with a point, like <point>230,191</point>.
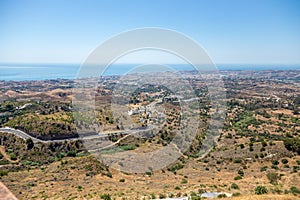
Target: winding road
<point>23,135</point>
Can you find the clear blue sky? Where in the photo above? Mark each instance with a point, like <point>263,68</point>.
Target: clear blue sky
<point>231,31</point>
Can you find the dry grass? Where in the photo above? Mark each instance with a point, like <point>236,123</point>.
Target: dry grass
<point>264,197</point>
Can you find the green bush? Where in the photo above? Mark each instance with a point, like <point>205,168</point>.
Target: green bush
<point>148,173</point>
<point>184,181</point>
<point>296,168</point>
<point>261,190</point>
<point>238,178</point>
<point>274,167</point>
<point>235,186</point>
<point>152,196</point>
<point>195,198</point>
<point>127,147</point>
<point>4,162</point>
<point>105,197</point>
<point>13,156</point>
<point>292,144</point>
<point>237,161</point>
<point>109,174</point>
<point>171,195</point>
<point>294,190</point>
<point>3,173</point>
<point>236,194</point>
<point>122,180</point>
<point>177,188</point>
<point>175,167</point>
<point>241,172</point>
<point>222,196</point>
<point>79,188</point>
<point>71,154</point>
<point>284,161</point>
<point>273,177</point>
<point>263,169</point>
<point>275,162</point>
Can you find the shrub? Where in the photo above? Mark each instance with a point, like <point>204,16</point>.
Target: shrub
<point>222,196</point>
<point>238,178</point>
<point>296,168</point>
<point>263,169</point>
<point>195,198</point>
<point>109,174</point>
<point>105,197</point>
<point>261,190</point>
<point>273,177</point>
<point>162,196</point>
<point>236,194</point>
<point>71,154</point>
<point>274,167</point>
<point>237,161</point>
<point>122,180</point>
<point>241,172</point>
<point>292,144</point>
<point>235,186</point>
<point>171,195</point>
<point>275,162</point>
<point>177,188</point>
<point>175,167</point>
<point>127,147</point>
<point>152,196</point>
<point>29,143</point>
<point>13,156</point>
<point>193,194</point>
<point>3,162</point>
<point>3,173</point>
<point>294,190</point>
<point>79,188</point>
<point>184,181</point>
<point>148,173</point>
<point>284,161</point>
<point>264,144</point>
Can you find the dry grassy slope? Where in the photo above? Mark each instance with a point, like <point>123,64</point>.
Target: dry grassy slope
<point>264,197</point>
<point>69,180</point>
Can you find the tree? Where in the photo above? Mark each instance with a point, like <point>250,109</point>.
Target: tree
<point>29,143</point>
<point>292,144</point>
<point>284,161</point>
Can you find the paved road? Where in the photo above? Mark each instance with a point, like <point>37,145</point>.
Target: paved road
<point>19,133</point>
<point>25,136</point>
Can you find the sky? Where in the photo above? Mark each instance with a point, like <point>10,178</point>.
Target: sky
<point>231,31</point>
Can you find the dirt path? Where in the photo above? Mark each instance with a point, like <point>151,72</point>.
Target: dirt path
<point>7,157</point>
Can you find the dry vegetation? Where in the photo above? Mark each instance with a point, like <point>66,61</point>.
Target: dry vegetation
<point>256,157</point>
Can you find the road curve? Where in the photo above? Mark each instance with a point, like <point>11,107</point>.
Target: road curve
<point>23,135</point>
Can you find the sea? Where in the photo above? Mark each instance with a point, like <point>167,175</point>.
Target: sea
<point>24,72</point>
